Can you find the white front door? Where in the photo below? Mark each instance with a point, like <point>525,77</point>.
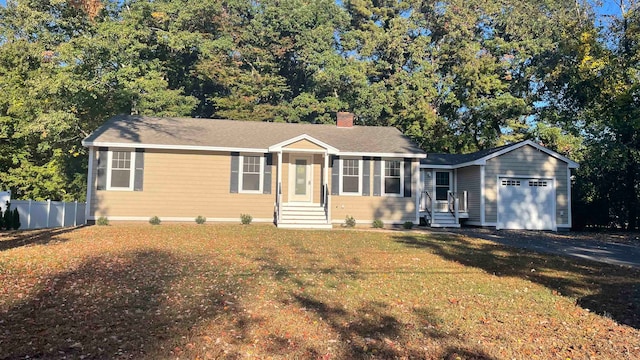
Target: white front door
<point>300,178</point>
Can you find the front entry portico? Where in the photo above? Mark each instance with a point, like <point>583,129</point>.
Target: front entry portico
<point>302,199</point>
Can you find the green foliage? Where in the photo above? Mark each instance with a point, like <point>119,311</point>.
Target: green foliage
<point>349,221</point>
<point>245,219</point>
<point>593,94</point>
<point>201,220</point>
<point>154,220</point>
<point>15,219</point>
<point>378,224</point>
<point>63,73</point>
<point>7,217</point>
<point>408,225</point>
<point>102,221</point>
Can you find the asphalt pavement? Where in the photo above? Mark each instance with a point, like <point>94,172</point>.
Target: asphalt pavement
<point>576,245</point>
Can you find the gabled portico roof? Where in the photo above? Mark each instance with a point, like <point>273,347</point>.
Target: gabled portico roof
<point>282,145</point>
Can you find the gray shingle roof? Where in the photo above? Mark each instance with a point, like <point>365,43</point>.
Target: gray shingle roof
<point>129,130</point>
<point>455,159</point>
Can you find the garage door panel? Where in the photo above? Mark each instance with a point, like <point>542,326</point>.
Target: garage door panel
<point>526,204</point>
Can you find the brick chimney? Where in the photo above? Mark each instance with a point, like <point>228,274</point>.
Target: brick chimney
<point>344,119</point>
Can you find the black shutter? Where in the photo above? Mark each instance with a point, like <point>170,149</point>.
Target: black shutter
<point>138,178</point>
<point>235,168</point>
<point>407,177</point>
<point>266,185</point>
<point>366,176</point>
<point>377,176</point>
<point>103,159</point>
<point>335,175</point>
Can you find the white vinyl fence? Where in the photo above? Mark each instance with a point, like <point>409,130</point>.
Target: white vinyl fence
<point>48,214</point>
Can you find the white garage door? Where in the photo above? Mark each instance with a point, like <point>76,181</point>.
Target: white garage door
<point>525,203</point>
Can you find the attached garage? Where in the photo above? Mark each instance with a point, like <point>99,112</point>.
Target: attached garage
<point>516,186</point>
<point>526,203</point>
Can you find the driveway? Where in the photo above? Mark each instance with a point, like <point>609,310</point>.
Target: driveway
<point>607,248</point>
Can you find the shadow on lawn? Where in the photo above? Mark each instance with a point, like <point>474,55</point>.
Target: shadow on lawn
<point>33,237</point>
<point>370,331</point>
<point>608,290</point>
<point>123,305</point>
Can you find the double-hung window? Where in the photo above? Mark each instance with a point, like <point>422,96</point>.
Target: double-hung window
<point>251,174</point>
<point>121,165</point>
<point>392,183</point>
<point>351,176</point>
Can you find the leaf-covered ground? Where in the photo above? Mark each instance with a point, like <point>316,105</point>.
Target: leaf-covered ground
<point>231,291</point>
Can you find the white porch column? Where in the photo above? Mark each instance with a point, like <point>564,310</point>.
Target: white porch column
<point>455,181</point>
<point>325,170</point>
<point>325,184</point>
<point>416,181</point>
<point>87,210</point>
<point>279,171</point>
<point>279,186</point>
<point>482,202</point>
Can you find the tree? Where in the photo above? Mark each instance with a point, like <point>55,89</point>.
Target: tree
<point>64,68</point>
<point>15,219</point>
<point>594,92</point>
<point>7,218</point>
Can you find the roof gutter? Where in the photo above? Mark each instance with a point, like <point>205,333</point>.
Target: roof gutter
<point>232,149</point>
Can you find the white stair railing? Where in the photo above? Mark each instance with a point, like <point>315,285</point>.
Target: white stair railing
<point>452,201</point>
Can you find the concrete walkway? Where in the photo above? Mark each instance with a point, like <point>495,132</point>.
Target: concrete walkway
<point>562,244</point>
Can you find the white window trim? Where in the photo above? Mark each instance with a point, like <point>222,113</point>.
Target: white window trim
<point>132,170</point>
<point>241,172</point>
<point>383,177</point>
<point>341,191</point>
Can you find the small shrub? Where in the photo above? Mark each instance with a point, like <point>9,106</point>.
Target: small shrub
<point>378,224</point>
<point>154,220</point>
<point>7,218</point>
<point>349,221</point>
<point>408,225</point>
<point>201,220</point>
<point>15,221</point>
<point>246,219</point>
<point>102,221</point>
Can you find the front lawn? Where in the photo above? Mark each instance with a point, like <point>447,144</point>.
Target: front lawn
<point>232,291</point>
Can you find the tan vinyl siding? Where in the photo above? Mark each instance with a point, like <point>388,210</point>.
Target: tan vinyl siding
<point>468,179</point>
<point>368,208</point>
<point>305,145</point>
<point>527,162</point>
<point>428,183</point>
<point>184,184</point>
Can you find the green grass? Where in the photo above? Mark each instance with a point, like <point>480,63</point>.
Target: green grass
<point>188,291</point>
